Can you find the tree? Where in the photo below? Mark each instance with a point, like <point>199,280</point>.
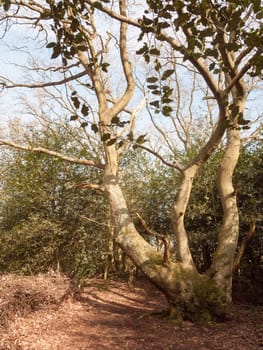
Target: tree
<point>222,42</point>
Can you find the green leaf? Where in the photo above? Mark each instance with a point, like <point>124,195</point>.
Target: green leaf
<point>104,67</point>
<point>75,101</point>
<point>167,110</point>
<point>81,48</point>
<point>166,100</point>
<point>50,45</point>
<point>152,87</point>
<point>120,144</point>
<point>97,5</point>
<point>167,74</point>
<point>85,109</point>
<point>7,4</point>
<point>143,49</point>
<point>152,80</point>
<point>156,92</point>
<point>155,103</point>
<point>111,141</point>
<point>115,120</point>
<point>154,52</point>
<point>141,139</point>
<point>74,24</point>
<point>84,124</point>
<point>241,120</point>
<point>94,128</point>
<point>73,117</point>
<point>105,137</point>
<point>56,51</point>
<point>147,21</point>
<point>212,66</point>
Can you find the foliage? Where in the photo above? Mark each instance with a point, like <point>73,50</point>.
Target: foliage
<point>45,218</point>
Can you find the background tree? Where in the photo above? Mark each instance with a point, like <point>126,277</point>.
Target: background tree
<point>47,221</point>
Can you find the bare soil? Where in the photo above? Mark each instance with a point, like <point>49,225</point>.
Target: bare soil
<point>41,313</point>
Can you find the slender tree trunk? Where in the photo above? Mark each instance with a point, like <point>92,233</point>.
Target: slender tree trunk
<point>228,236</point>
<point>183,251</point>
<point>109,261</point>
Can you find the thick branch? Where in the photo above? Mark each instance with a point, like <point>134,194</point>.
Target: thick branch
<point>51,153</point>
<point>124,100</point>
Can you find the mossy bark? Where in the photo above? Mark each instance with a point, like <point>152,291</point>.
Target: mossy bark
<point>192,296</point>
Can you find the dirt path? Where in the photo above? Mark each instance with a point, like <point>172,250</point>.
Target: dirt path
<point>113,317</point>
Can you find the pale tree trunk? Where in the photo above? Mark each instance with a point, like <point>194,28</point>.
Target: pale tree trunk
<point>222,266</point>
<point>183,251</point>
<point>189,294</point>
<point>109,261</point>
<point>228,236</point>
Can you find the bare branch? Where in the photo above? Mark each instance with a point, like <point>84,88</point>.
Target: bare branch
<point>164,238</point>
<point>241,73</point>
<point>86,185</point>
<point>174,165</point>
<point>51,153</point>
<point>120,17</point>
<point>95,221</point>
<point>41,85</point>
<point>125,98</point>
<point>245,240</point>
<point>149,230</point>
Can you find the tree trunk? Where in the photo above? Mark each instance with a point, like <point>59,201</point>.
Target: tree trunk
<point>228,236</point>
<point>189,295</point>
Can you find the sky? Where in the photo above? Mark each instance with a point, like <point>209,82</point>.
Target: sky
<point>11,61</point>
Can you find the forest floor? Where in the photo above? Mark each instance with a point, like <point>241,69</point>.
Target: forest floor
<point>37,313</point>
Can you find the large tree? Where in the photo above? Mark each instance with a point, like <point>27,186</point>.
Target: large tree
<point>219,40</point>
